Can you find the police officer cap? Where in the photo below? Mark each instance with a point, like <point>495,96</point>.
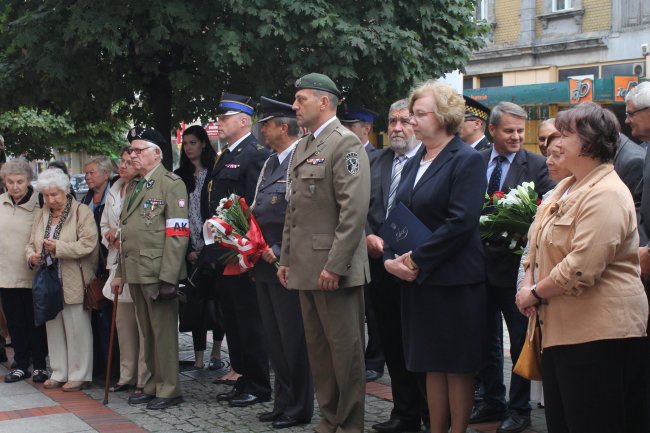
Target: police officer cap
<point>476,109</point>
<point>357,114</point>
<point>232,103</point>
<point>318,82</point>
<point>146,134</point>
<point>272,108</point>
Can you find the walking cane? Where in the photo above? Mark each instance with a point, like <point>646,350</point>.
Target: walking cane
<point>110,348</point>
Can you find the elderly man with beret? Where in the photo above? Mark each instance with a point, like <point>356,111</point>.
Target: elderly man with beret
<point>154,237</point>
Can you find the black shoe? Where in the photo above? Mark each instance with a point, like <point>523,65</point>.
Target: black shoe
<point>484,413</point>
<point>227,396</point>
<point>40,376</point>
<point>372,375</point>
<point>216,364</point>
<point>17,375</point>
<point>140,398</point>
<point>284,421</point>
<point>160,403</point>
<point>515,423</point>
<point>244,399</point>
<point>268,416</point>
<point>396,425</point>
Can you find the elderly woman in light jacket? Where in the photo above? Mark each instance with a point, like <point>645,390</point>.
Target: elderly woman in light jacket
<point>133,369</point>
<point>64,231</point>
<point>18,206</point>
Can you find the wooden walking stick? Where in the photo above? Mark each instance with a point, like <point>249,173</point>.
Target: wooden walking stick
<point>110,348</point>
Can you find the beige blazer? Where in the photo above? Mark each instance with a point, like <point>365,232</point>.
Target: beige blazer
<point>587,242</point>
<point>15,227</point>
<point>78,242</point>
<point>326,215</point>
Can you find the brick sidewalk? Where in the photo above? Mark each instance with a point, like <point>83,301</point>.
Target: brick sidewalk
<point>26,407</point>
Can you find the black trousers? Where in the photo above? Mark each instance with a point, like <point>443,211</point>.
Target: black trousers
<point>242,323</point>
<point>597,387</point>
<point>29,341</point>
<point>374,353</point>
<point>199,332</point>
<point>409,402</point>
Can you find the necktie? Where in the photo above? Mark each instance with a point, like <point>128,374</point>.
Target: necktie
<point>136,192</point>
<point>398,165</point>
<point>495,179</point>
<point>274,163</point>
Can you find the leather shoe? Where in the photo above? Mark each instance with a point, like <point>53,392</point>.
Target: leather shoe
<point>284,421</point>
<point>396,425</point>
<point>159,403</point>
<point>484,413</point>
<point>140,398</point>
<point>372,375</point>
<point>515,423</point>
<point>245,399</point>
<point>268,416</point>
<point>227,396</point>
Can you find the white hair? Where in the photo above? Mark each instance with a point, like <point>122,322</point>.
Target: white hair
<point>639,95</point>
<point>53,178</point>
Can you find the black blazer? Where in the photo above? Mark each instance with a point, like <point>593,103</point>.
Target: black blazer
<point>483,144</point>
<point>235,172</point>
<point>381,169</point>
<point>501,264</point>
<point>448,199</point>
<point>628,163</point>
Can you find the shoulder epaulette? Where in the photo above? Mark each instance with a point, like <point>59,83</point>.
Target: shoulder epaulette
<point>172,176</point>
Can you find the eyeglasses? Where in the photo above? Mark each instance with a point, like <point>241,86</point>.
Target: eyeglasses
<point>421,114</point>
<point>137,151</point>
<point>632,113</point>
<point>393,121</point>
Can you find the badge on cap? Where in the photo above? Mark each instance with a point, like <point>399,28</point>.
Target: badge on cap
<point>181,202</point>
<point>352,163</point>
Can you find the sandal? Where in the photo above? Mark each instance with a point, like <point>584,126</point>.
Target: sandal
<point>216,364</point>
<point>52,384</point>
<point>74,386</point>
<point>138,390</point>
<point>119,387</point>
<point>17,375</point>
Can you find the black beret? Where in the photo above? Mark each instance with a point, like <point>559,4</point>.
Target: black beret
<point>147,134</point>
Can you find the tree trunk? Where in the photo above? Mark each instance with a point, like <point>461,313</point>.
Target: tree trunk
<point>160,90</point>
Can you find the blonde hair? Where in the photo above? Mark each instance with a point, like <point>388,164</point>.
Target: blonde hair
<point>450,106</point>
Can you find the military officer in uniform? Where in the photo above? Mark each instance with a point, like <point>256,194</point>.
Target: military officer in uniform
<point>279,307</point>
<point>154,236</point>
<point>236,171</point>
<point>324,251</point>
<point>472,131</point>
<point>359,120</point>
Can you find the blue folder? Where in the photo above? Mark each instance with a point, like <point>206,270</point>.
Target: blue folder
<point>403,231</point>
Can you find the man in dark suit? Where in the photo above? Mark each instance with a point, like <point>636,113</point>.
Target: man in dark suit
<point>279,307</point>
<point>628,163</point>
<point>472,131</point>
<point>409,404</point>
<point>508,165</point>
<point>359,120</point>
<point>236,171</point>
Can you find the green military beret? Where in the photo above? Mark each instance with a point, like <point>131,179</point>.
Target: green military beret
<point>318,82</point>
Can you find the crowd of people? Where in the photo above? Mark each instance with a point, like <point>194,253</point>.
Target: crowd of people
<point>327,203</point>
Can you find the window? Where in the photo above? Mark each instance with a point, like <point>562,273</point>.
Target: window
<point>482,9</point>
<point>564,74</point>
<point>561,5</point>
<point>635,12</point>
<point>491,81</point>
<point>468,83</point>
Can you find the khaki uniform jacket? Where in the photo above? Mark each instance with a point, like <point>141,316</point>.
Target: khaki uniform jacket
<point>155,230</point>
<point>16,225</point>
<point>78,242</point>
<point>326,215</point>
<point>587,243</point>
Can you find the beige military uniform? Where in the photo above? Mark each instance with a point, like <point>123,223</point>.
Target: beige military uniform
<point>324,229</point>
<point>154,238</point>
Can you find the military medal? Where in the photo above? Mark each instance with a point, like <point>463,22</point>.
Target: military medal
<point>274,199</point>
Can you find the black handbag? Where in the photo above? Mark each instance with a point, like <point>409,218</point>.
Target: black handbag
<point>47,292</point>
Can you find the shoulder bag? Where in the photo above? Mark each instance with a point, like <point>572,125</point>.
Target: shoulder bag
<point>529,364</point>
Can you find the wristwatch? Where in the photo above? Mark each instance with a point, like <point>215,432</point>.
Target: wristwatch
<point>533,290</point>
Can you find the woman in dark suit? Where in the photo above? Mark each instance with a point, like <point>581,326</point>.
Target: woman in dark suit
<point>443,293</point>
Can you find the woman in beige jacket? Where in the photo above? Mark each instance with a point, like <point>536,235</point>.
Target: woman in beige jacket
<point>65,232</point>
<point>18,206</point>
<point>583,277</point>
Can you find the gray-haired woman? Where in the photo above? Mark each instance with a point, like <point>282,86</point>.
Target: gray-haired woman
<point>18,206</point>
<point>65,233</point>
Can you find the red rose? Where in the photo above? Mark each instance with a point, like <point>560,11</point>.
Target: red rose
<point>227,204</point>
<point>539,201</point>
<point>499,194</point>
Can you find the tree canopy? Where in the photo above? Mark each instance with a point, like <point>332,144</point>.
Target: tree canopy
<point>166,61</point>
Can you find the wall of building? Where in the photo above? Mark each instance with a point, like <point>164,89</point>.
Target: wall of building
<point>506,14</point>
